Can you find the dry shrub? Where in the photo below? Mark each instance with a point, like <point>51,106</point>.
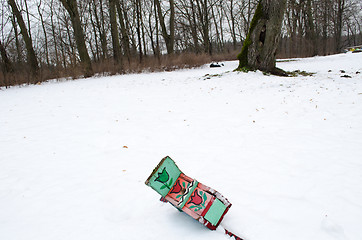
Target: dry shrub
<point>17,77</point>
<point>226,56</point>
<point>107,67</point>
<point>186,60</point>
<point>162,63</point>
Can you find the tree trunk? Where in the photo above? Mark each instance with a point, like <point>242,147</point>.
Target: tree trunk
<point>172,26</point>
<point>217,31</point>
<point>114,32</point>
<point>53,33</point>
<point>138,28</point>
<point>8,67</point>
<point>260,46</point>
<point>45,34</point>
<point>101,29</point>
<point>203,10</point>
<point>124,32</point>
<point>70,46</point>
<point>143,32</point>
<point>169,38</point>
<point>72,8</point>
<point>96,53</point>
<point>62,47</point>
<point>325,26</point>
<point>232,18</point>
<point>33,61</point>
<point>193,25</point>
<point>157,48</point>
<point>28,18</point>
<point>17,43</point>
<point>339,25</point>
<point>311,33</point>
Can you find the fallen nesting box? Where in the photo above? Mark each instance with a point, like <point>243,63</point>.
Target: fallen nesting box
<point>188,195</point>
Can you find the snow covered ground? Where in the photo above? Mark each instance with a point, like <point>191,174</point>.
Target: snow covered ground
<point>286,152</point>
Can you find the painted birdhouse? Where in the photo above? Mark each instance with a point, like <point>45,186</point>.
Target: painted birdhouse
<point>188,195</point>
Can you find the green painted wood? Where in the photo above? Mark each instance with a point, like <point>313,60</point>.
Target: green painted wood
<point>164,176</point>
<point>215,212</point>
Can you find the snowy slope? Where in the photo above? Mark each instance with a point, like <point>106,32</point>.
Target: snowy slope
<point>286,152</point>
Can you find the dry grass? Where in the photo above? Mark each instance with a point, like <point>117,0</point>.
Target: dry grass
<point>22,75</point>
<point>228,56</point>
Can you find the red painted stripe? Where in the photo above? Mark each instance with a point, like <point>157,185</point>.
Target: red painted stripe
<point>210,226</point>
<point>208,207</point>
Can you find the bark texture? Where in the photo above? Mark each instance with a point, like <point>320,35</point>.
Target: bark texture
<point>260,46</point>
<point>72,9</point>
<point>32,59</point>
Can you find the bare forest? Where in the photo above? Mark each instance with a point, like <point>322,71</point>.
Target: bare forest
<point>57,39</point>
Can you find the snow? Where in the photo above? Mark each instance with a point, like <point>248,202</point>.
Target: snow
<point>286,152</point>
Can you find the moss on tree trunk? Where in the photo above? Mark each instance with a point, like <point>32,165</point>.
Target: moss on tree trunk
<point>261,43</point>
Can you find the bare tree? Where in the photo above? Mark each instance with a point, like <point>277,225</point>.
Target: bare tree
<point>114,32</point>
<point>168,37</point>
<point>311,29</point>
<point>32,59</point>
<point>40,12</point>
<point>203,12</point>
<point>124,32</point>
<point>72,9</point>
<point>138,28</point>
<point>100,24</point>
<point>340,7</point>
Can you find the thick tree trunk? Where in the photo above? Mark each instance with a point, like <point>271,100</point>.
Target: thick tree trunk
<point>260,46</point>
<point>72,8</point>
<point>33,61</point>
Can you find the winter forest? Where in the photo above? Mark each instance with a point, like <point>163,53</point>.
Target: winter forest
<point>46,39</point>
